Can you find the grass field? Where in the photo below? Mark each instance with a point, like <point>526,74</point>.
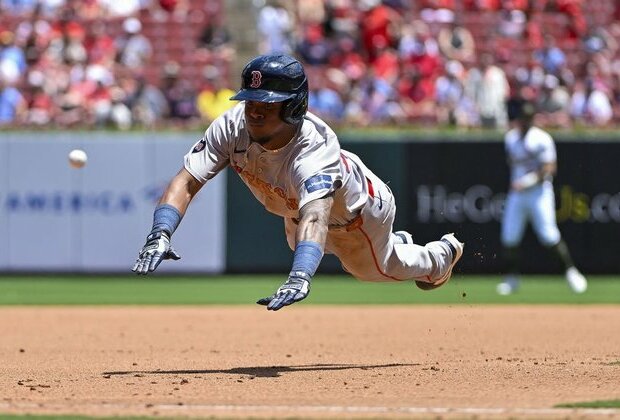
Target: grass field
<point>246,289</point>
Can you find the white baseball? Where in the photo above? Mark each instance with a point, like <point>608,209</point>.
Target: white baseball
<point>77,158</point>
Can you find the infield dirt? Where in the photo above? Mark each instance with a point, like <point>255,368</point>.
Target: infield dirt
<point>310,361</point>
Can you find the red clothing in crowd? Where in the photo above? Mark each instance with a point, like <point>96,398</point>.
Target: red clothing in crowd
<point>375,28</point>
<point>417,89</point>
<point>438,4</point>
<point>386,65</point>
<point>573,9</point>
<point>482,4</point>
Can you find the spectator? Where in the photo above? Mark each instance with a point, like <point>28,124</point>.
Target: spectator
<point>512,21</point>
<point>348,58</point>
<point>492,95</point>
<point>387,62</point>
<point>275,25</point>
<point>116,8</point>
<point>598,39</point>
<point>66,45</point>
<point>456,42</point>
<point>179,94</point>
<point>550,56</point>
<point>214,98</point>
<point>376,101</point>
<point>437,11</point>
<point>13,106</point>
<point>417,95</point>
<point>17,7</point>
<point>453,106</point>
<point>178,9</point>
<point>215,43</point>
<point>12,57</point>
<point>572,9</point>
<point>324,99</point>
<point>482,5</point>
<point>134,50</point>
<point>147,103</point>
<point>590,104</point>
<point>377,26</point>
<point>418,48</point>
<point>311,12</point>
<point>341,18</point>
<point>314,49</point>
<point>553,103</point>
<point>120,114</point>
<point>41,108</point>
<point>100,47</point>
<point>35,33</point>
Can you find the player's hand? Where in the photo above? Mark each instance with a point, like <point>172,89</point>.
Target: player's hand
<point>156,249</point>
<point>296,288</point>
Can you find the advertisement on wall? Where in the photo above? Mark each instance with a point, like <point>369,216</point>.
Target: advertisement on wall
<point>461,187</point>
<point>55,218</point>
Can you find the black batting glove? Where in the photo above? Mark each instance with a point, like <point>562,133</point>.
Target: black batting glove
<point>296,288</point>
<point>156,249</point>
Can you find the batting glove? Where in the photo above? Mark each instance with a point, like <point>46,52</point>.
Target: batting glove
<point>156,249</point>
<point>296,288</point>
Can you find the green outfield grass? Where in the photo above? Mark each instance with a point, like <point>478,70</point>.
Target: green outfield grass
<point>592,404</point>
<point>246,289</point>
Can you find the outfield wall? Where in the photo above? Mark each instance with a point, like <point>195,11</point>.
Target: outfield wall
<point>57,219</point>
<point>459,186</point>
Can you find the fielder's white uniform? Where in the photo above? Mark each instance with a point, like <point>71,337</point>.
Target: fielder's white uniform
<point>311,166</point>
<point>537,203</point>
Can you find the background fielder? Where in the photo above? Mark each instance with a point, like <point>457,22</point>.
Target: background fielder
<point>292,162</point>
<point>531,156</point>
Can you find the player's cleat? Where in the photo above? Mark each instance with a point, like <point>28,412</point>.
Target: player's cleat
<point>576,280</point>
<point>456,249</point>
<point>509,286</point>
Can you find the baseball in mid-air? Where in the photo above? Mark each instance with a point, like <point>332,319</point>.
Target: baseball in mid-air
<point>77,158</point>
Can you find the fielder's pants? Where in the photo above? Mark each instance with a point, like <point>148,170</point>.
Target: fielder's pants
<point>536,204</point>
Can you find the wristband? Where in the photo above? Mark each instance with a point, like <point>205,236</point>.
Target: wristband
<point>166,218</point>
<point>307,257</point>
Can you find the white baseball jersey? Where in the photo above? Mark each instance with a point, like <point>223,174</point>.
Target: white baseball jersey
<point>309,167</point>
<point>535,204</point>
<point>530,153</point>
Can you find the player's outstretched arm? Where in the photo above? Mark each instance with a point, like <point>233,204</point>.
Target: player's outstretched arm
<point>310,237</point>
<point>166,219</point>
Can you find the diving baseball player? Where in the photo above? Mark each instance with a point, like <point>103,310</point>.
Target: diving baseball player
<point>532,159</point>
<point>293,164</point>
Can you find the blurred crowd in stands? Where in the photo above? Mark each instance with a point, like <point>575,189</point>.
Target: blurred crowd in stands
<point>458,62</point>
<point>465,63</point>
<point>109,63</point>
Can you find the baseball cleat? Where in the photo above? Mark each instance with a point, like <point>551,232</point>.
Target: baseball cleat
<point>456,249</point>
<point>576,280</point>
<point>509,286</point>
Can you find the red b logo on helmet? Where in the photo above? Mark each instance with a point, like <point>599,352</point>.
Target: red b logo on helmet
<point>256,79</point>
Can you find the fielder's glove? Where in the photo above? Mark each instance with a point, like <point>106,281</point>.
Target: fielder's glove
<point>156,249</point>
<point>296,288</point>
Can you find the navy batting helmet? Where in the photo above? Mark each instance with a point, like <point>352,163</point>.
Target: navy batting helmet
<point>276,78</point>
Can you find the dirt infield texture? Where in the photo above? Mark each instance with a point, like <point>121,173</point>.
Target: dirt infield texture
<point>310,361</point>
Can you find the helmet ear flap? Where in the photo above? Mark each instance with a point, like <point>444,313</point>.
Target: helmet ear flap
<point>294,109</point>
